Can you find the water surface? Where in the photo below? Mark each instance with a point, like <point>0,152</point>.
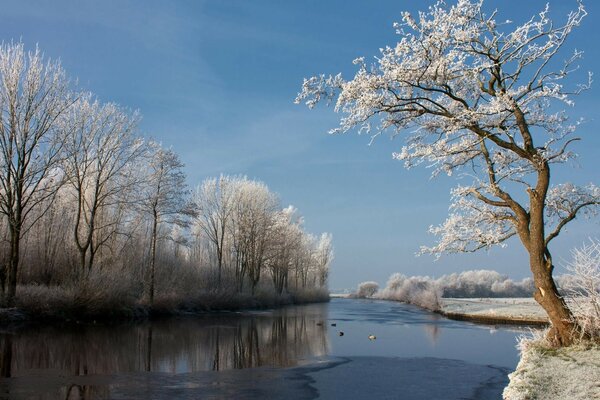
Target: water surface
<point>294,353</point>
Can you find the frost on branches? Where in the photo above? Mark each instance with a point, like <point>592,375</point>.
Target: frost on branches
<point>479,95</point>
<point>477,98</point>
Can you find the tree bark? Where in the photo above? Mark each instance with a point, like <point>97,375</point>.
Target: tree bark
<point>564,328</point>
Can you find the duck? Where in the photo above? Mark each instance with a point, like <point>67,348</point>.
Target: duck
<point>341,333</point>
<point>334,324</point>
<point>372,337</point>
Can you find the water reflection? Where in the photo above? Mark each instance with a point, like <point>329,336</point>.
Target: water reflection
<point>433,333</point>
<point>215,356</point>
<point>5,355</point>
<point>406,331</point>
<point>283,339</point>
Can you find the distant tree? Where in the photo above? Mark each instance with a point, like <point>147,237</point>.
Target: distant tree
<point>34,93</point>
<point>367,289</point>
<point>480,98</point>
<point>286,237</point>
<point>304,260</point>
<point>165,199</point>
<point>216,201</point>
<point>324,257</point>
<point>255,220</point>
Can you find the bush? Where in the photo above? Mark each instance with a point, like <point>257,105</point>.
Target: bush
<point>367,289</point>
<point>583,291</point>
<point>418,290</point>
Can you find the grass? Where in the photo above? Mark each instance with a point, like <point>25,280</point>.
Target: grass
<point>545,372</point>
<point>107,296</point>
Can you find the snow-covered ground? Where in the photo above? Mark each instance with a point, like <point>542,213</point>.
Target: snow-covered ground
<point>565,374</point>
<point>515,309</point>
<point>339,295</point>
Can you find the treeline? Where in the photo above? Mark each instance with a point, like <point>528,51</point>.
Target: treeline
<point>96,218</point>
<point>427,292</point>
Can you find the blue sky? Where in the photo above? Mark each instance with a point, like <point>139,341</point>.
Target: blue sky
<point>216,81</point>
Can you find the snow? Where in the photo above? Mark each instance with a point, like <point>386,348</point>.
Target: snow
<point>509,308</point>
<point>571,373</point>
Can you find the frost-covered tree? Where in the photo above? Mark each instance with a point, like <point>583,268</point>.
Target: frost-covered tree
<point>99,150</point>
<point>165,200</point>
<point>367,289</point>
<point>216,199</point>
<point>286,237</point>
<point>255,215</point>
<point>480,96</point>
<point>324,257</point>
<point>34,93</point>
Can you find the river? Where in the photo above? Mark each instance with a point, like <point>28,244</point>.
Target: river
<point>296,352</point>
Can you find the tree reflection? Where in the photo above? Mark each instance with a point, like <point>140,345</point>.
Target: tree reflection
<point>6,355</point>
<point>175,345</point>
<point>433,332</point>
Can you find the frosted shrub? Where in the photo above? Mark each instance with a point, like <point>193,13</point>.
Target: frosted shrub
<point>367,289</point>
<point>483,283</point>
<point>418,290</point>
<point>583,291</point>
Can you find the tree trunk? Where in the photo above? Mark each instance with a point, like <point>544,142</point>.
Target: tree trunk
<point>3,272</point>
<point>153,258</point>
<point>13,266</point>
<point>564,328</point>
<point>82,253</point>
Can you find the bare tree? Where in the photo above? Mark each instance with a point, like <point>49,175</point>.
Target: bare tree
<point>304,260</point>
<point>99,151</point>
<point>33,94</point>
<point>286,237</point>
<point>255,214</point>
<point>165,200</point>
<point>323,257</point>
<point>481,97</point>
<point>215,199</point>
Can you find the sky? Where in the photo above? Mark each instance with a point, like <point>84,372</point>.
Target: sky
<point>216,80</point>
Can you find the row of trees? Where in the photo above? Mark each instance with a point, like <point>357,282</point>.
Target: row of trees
<point>81,191</point>
<point>251,234</point>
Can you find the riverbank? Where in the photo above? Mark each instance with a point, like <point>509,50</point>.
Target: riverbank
<point>490,311</point>
<point>571,373</point>
<point>512,311</point>
<point>42,303</point>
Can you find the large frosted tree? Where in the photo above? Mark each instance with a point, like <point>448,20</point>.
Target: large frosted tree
<point>34,93</point>
<point>100,146</point>
<point>480,96</point>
